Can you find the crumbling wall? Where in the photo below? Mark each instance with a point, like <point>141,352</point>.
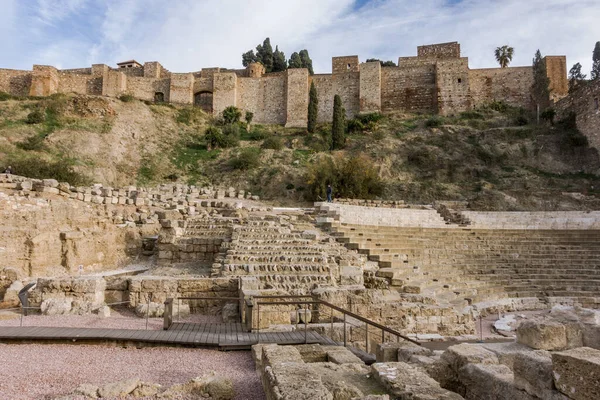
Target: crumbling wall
<point>15,82</point>
<point>145,88</point>
<point>510,85</point>
<point>585,103</point>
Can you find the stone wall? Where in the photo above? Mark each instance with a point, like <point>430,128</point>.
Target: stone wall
<point>585,103</point>
<point>438,80</point>
<point>441,50</point>
<point>408,88</point>
<point>509,85</point>
<point>15,82</point>
<point>554,220</point>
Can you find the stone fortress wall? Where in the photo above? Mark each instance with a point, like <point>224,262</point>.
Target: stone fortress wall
<point>437,80</point>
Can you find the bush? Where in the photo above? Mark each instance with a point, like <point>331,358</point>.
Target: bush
<point>33,143</point>
<point>499,106</point>
<point>246,159</point>
<point>249,117</point>
<point>258,132</point>
<point>272,142</point>
<point>369,117</point>
<point>185,116</point>
<point>471,115</point>
<point>61,170</point>
<point>521,120</point>
<point>548,115</point>
<point>355,126</point>
<point>317,143</point>
<point>126,98</point>
<point>232,115</point>
<point>5,96</point>
<point>434,122</point>
<point>35,117</point>
<point>353,177</point>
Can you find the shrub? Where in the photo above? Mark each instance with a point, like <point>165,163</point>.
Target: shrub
<point>548,115</point>
<point>232,115</point>
<point>61,170</point>
<point>249,117</point>
<point>471,115</point>
<point>35,117</point>
<point>354,126</point>
<point>185,116</point>
<point>369,117</point>
<point>521,120</point>
<point>258,132</point>
<point>33,143</point>
<point>246,159</point>
<point>499,106</point>
<point>126,98</point>
<point>5,96</point>
<point>316,143</point>
<point>353,177</point>
<point>434,122</point>
<point>272,142</point>
<point>213,137</point>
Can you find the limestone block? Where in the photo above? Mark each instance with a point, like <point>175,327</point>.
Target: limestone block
<point>312,353</point>
<point>462,354</point>
<point>577,373</point>
<point>53,183</point>
<point>506,352</point>
<point>25,185</point>
<point>407,350</point>
<point>273,355</point>
<point>56,306</point>
<point>87,390</point>
<point>46,189</point>
<point>406,382</point>
<point>104,312</point>
<point>118,389</point>
<point>542,335</point>
<point>341,355</point>
<point>490,382</point>
<point>11,296</point>
<point>533,371</point>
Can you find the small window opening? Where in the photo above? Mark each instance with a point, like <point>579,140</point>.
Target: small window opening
<point>348,67</point>
<point>159,97</point>
<point>459,80</point>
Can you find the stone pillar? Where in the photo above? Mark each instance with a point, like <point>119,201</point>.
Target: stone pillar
<point>225,91</point>
<point>44,81</point>
<point>370,87</point>
<point>181,88</point>
<point>297,98</point>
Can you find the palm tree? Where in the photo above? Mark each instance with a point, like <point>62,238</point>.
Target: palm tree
<point>504,55</point>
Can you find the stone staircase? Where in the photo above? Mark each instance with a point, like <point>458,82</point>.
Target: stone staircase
<point>463,266</point>
<point>279,256</point>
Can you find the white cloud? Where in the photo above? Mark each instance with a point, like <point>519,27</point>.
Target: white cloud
<point>187,35</point>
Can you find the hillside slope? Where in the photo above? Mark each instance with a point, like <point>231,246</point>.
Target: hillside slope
<point>491,158</point>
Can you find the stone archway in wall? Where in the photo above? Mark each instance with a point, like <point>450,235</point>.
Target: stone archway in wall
<point>204,100</point>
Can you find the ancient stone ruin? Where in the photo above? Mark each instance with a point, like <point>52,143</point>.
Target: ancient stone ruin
<point>428,274</point>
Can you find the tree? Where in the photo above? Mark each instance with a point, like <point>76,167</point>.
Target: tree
<point>295,61</point>
<point>338,128</point>
<point>306,61</point>
<point>264,53</point>
<point>383,63</point>
<point>540,90</point>
<point>279,62</point>
<point>248,58</point>
<point>313,108</point>
<point>576,78</point>
<point>596,62</point>
<point>504,55</point>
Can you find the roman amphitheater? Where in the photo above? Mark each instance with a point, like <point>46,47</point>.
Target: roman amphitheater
<point>188,292</point>
<point>347,300</point>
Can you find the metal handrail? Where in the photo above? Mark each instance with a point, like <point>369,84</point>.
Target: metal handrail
<point>344,312</point>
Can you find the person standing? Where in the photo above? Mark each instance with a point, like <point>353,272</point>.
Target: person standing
<point>8,170</point>
<point>329,191</point>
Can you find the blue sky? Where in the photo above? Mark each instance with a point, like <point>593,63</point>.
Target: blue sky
<point>187,35</point>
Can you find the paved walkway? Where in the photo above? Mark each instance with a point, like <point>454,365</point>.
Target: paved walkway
<point>225,336</point>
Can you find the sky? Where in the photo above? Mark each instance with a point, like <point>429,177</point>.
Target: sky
<point>188,35</point>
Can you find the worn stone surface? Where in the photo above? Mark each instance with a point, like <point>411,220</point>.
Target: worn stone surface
<point>577,373</point>
<point>490,382</point>
<point>542,335</point>
<point>533,374</point>
<point>406,382</point>
<point>118,389</point>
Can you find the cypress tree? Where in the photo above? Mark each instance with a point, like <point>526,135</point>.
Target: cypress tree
<point>295,61</point>
<point>338,128</point>
<point>248,58</point>
<point>279,63</point>
<point>306,61</point>
<point>313,108</point>
<point>264,54</point>
<point>596,62</point>
<point>540,90</point>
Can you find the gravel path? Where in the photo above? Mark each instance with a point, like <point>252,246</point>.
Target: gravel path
<point>44,371</point>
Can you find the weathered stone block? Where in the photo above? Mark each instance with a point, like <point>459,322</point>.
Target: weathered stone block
<point>577,373</point>
<point>406,382</point>
<point>533,373</point>
<point>542,335</point>
<point>490,382</point>
<point>341,355</point>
